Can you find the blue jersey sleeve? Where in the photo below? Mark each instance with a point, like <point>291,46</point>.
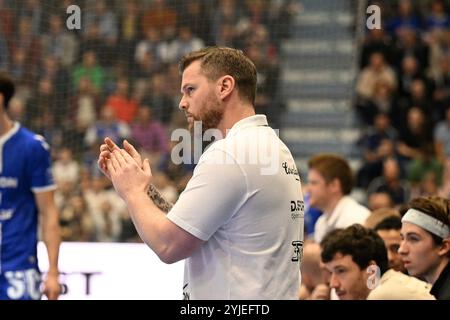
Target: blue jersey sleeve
<point>40,166</point>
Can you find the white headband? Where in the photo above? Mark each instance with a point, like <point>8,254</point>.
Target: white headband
<point>427,222</point>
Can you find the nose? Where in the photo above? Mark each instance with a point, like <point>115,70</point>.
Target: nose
<point>402,250</point>
<point>334,281</point>
<point>183,104</point>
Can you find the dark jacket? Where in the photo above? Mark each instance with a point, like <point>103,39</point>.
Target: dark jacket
<point>441,288</point>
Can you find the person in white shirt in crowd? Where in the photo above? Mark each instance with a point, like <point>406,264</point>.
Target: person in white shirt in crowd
<point>330,182</point>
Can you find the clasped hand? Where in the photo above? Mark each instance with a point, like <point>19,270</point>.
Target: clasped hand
<point>125,168</point>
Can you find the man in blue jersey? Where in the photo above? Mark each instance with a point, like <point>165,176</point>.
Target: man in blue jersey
<point>26,188</point>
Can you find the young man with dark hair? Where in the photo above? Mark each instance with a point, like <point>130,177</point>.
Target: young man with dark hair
<point>357,260</point>
<point>389,230</point>
<point>26,189</point>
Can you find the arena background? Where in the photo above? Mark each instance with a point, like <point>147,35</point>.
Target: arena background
<point>318,82</point>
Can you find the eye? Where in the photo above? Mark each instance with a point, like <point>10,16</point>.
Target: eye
<point>412,238</point>
<point>339,271</point>
<point>189,90</point>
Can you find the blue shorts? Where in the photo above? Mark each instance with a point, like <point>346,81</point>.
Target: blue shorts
<point>20,285</point>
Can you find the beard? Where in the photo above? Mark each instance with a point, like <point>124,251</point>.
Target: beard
<point>210,115</point>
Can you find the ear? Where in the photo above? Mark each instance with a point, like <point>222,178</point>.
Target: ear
<point>225,86</point>
<point>445,247</point>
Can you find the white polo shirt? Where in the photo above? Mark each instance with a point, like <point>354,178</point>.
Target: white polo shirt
<point>245,201</point>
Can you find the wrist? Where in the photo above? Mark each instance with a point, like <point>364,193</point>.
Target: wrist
<point>134,198</point>
<point>53,273</point>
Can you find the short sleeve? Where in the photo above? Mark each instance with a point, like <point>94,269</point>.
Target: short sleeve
<point>39,166</point>
<point>211,198</point>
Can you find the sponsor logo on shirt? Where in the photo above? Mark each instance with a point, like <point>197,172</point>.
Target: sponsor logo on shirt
<point>8,182</point>
<point>6,214</point>
<point>298,251</point>
<point>291,170</point>
<point>297,209</point>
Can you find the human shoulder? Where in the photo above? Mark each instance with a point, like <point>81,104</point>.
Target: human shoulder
<point>349,205</point>
<point>395,285</point>
<point>31,138</point>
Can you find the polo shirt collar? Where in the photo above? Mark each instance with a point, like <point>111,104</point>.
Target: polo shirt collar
<point>258,120</point>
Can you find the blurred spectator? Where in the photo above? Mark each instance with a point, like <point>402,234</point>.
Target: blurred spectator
<point>380,200</point>
<point>65,168</point>
<point>92,42</point>
<point>98,13</point>
<point>59,43</point>
<point>437,18</point>
<point>196,16</point>
<point>149,134</point>
<point>84,104</point>
<point>160,17</point>
<point>330,182</point>
<point>376,71</point>
<point>405,18</point>
<point>377,144</point>
<point>415,134</point>
<point>106,208</point>
<point>60,82</point>
<point>148,45</point>
<point>159,100</point>
<point>76,223</point>
<point>226,13</point>
<point>107,126</point>
<point>383,101</point>
<point>31,10</point>
<point>426,162</point>
<point>410,71</point>
<point>442,137</point>
<point>4,53</point>
<point>267,82</point>
<point>124,107</point>
<point>389,230</point>
<point>89,69</point>
<point>376,40</point>
<point>391,183</point>
<point>409,43</point>
<point>128,30</point>
<point>26,44</point>
<point>440,88</point>
<point>6,20</point>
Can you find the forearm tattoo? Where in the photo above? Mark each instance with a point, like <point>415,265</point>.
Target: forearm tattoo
<point>158,199</point>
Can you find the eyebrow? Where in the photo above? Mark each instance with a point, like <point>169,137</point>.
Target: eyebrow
<point>412,233</point>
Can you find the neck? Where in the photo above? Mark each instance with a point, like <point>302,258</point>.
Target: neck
<point>332,203</point>
<point>233,114</point>
<point>5,123</point>
<point>434,274</point>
